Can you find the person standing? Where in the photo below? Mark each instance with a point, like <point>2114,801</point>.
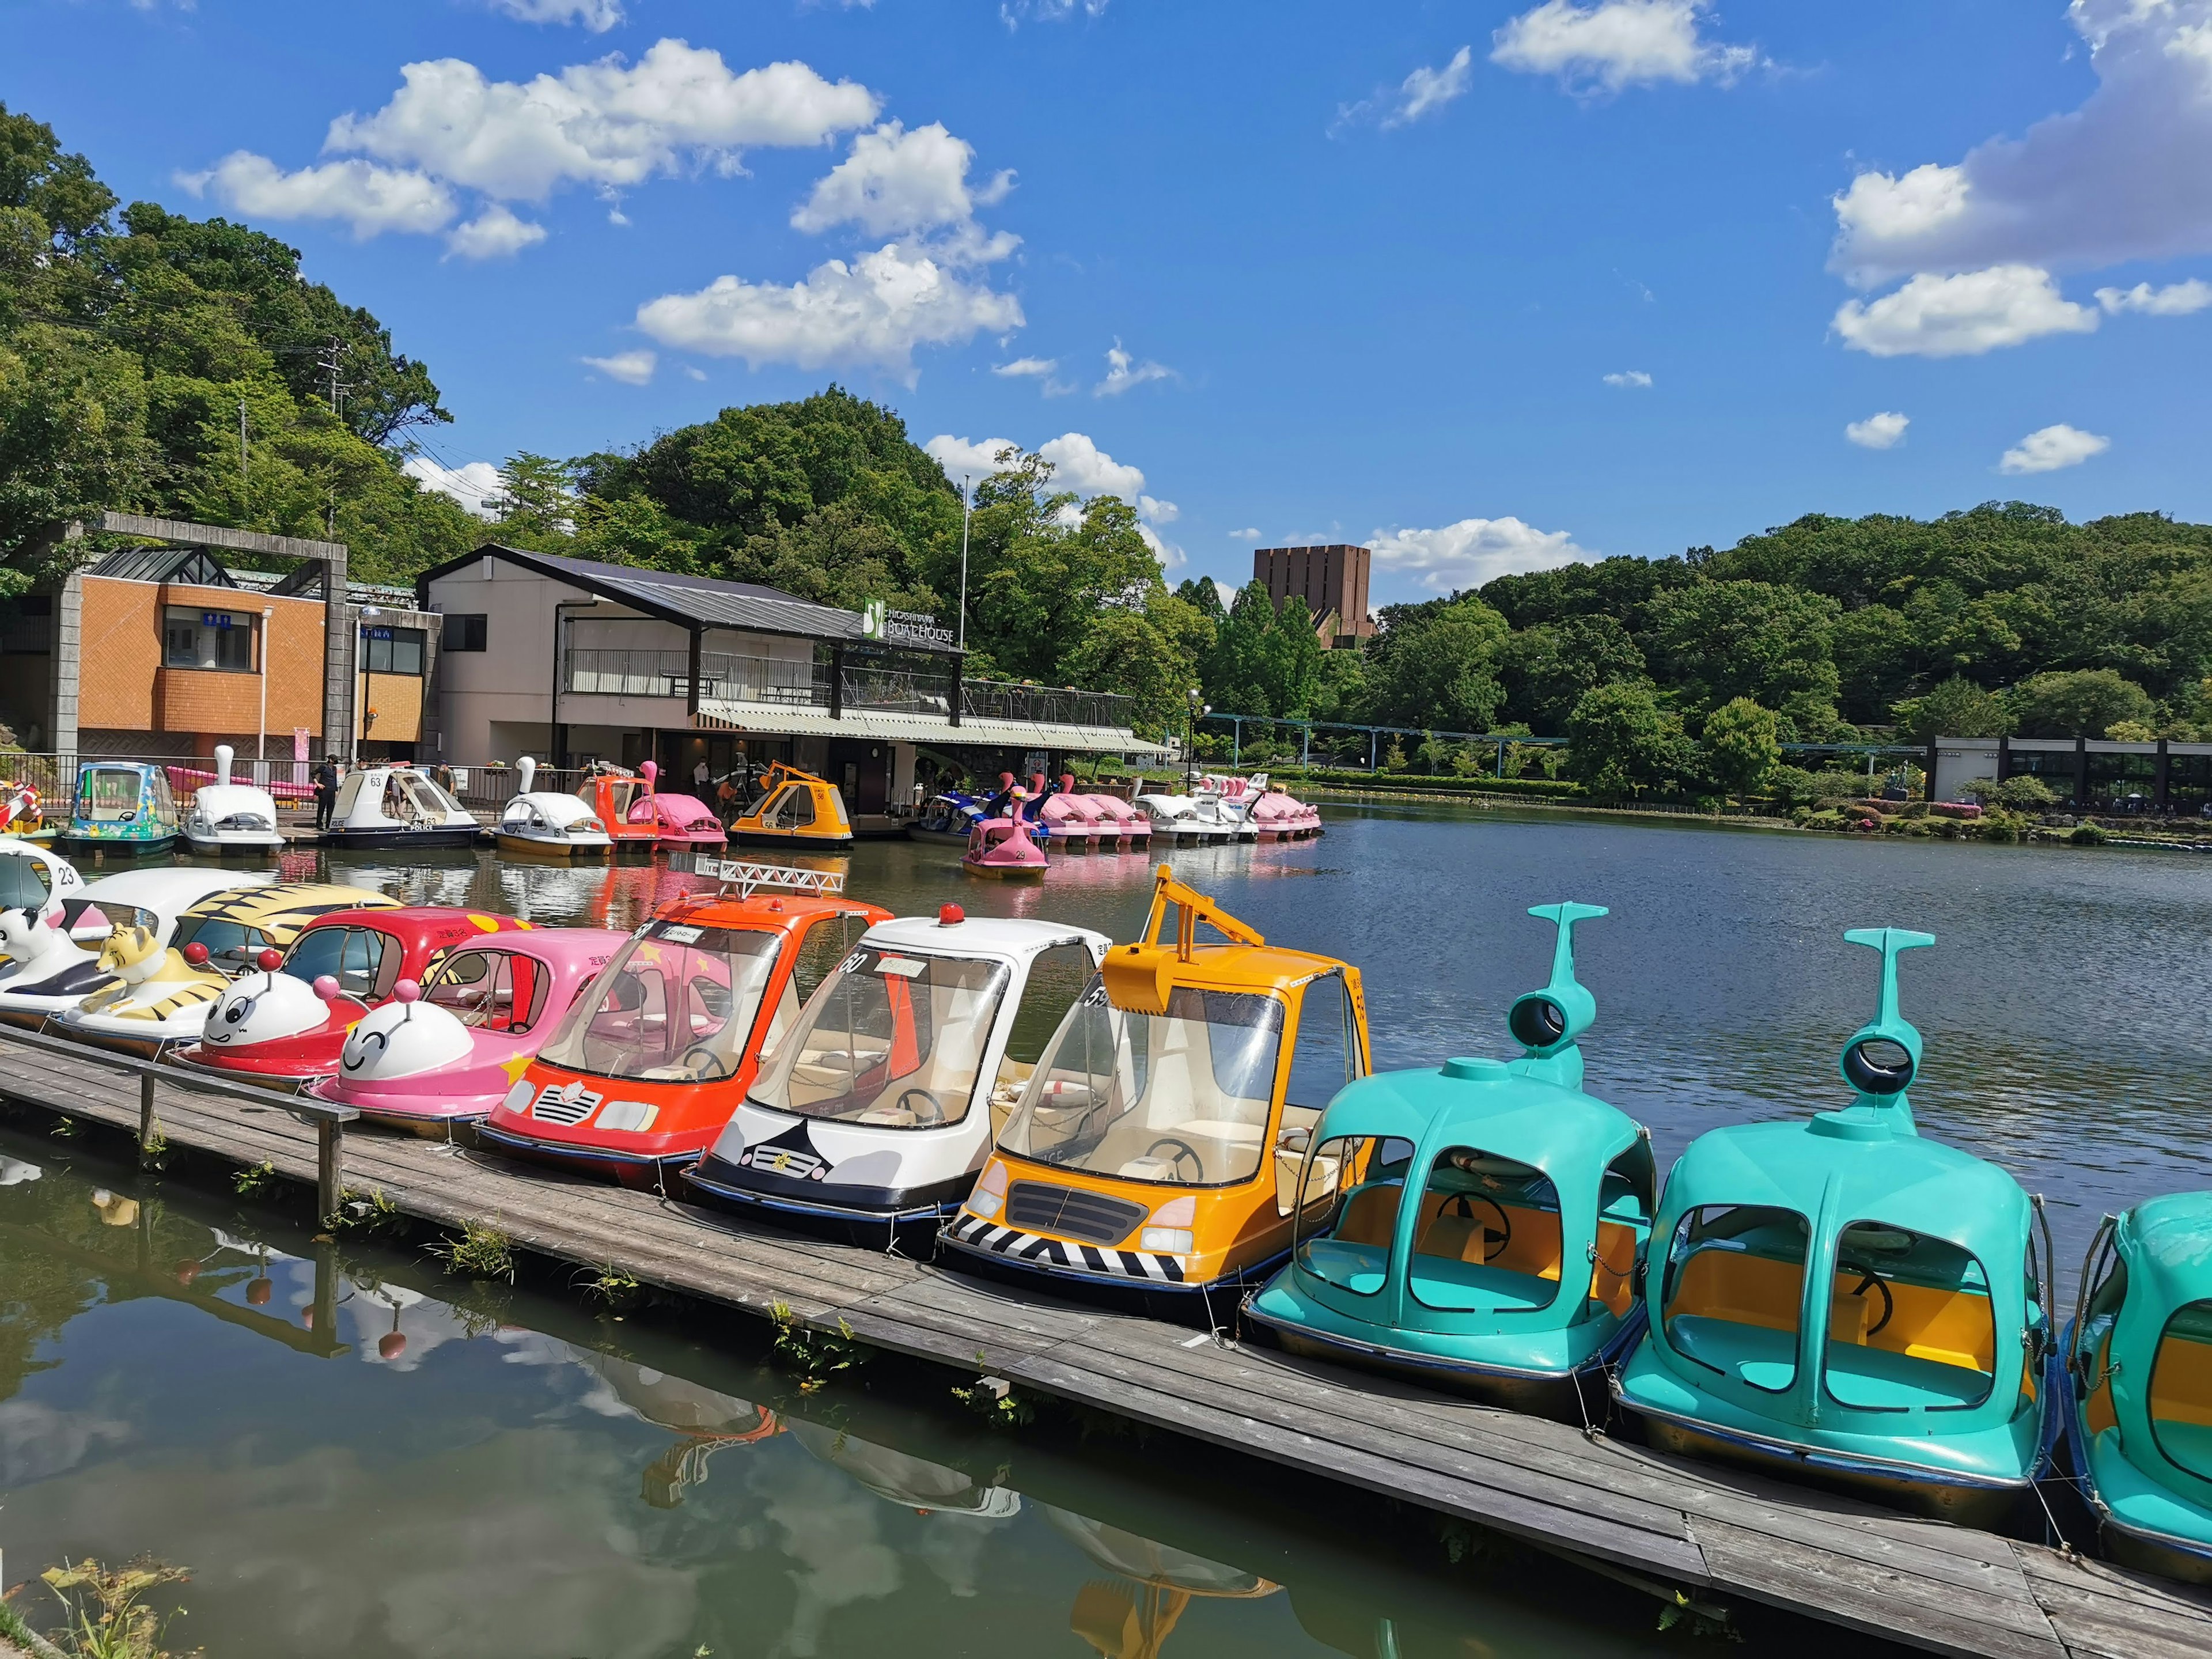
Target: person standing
<point>702,775</point>
<point>326,792</point>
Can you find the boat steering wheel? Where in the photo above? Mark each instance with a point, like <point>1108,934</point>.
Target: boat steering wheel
<point>1181,1147</point>
<point>1467,1201</point>
<point>702,1062</point>
<point>936,1106</point>
<point>1876,1281</point>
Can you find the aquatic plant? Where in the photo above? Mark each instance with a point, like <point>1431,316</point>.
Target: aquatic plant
<point>482,1251</point>
<point>154,1146</point>
<point>108,1618</point>
<point>65,1128</point>
<point>361,1212</point>
<point>255,1179</point>
<point>816,1355</point>
<point>993,1399</point>
<point>609,1284</point>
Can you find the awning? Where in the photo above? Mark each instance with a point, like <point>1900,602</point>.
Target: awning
<point>902,726</point>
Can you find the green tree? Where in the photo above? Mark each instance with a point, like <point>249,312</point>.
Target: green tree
<point>1547,668</point>
<point>1437,667</point>
<point>1622,744</point>
<point>537,503</point>
<point>1956,708</point>
<point>1740,747</point>
<point>1714,641</point>
<point>1148,652</point>
<point>2080,703</point>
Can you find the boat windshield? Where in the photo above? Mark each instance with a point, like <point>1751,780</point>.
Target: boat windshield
<point>677,1004</point>
<point>108,794</point>
<point>1181,1098</point>
<point>893,1039</point>
<point>24,882</point>
<point>231,946</point>
<point>2181,1389</point>
<point>1734,1286</point>
<point>426,798</point>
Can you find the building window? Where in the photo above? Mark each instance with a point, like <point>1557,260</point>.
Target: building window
<point>464,632</point>
<point>394,650</point>
<point>218,640</point>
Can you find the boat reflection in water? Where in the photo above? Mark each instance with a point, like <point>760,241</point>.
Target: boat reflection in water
<point>1130,1615</point>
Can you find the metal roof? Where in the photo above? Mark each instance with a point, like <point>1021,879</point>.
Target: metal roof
<point>194,565</point>
<point>678,598</point>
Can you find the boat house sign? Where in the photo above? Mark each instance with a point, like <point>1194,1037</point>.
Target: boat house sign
<point>880,622</point>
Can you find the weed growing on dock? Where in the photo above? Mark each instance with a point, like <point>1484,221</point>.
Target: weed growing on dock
<point>1706,1621</point>
<point>366,1212</point>
<point>816,1355</point>
<point>65,1128</point>
<point>154,1147</point>
<point>107,1617</point>
<point>482,1252</point>
<point>993,1399</point>
<point>613,1286</point>
<point>255,1179</point>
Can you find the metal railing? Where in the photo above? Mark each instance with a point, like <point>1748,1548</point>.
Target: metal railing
<point>1048,705</point>
<point>722,676</point>
<point>896,689</point>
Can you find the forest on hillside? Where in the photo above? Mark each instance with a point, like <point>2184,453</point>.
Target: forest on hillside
<point>153,363</point>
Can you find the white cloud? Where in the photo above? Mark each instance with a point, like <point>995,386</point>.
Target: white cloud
<point>1014,13</point>
<point>875,310</point>
<point>895,182</point>
<point>369,198</point>
<point>1427,89</point>
<point>2051,449</point>
<point>2122,177</point>
<point>1079,465</point>
<point>1882,431</point>
<point>1171,556</point>
<point>1156,510</point>
<point>630,367</point>
<point>2174,299</point>
<point>596,15</point>
<point>959,455</point>
<point>495,234</point>
<point>1245,535</point>
<point>609,123</point>
<point>1962,316</point>
<point>1473,551</point>
<point>694,371</point>
<point>1022,367</point>
<point>1635,378</point>
<point>1617,43</point>
<point>472,485</point>
<point>1124,373</point>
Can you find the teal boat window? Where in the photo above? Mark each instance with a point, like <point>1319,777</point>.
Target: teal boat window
<point>1488,1236</point>
<point>2181,1390</point>
<point>1734,1286</point>
<point>1910,1325</point>
<point>1348,1209</point>
<point>108,794</point>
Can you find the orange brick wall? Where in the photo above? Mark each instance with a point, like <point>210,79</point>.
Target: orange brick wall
<point>394,708</point>
<point>122,686</point>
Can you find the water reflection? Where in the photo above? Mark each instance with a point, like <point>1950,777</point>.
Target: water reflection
<point>359,1457</point>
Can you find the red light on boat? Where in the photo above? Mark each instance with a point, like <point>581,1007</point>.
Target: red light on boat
<point>950,916</point>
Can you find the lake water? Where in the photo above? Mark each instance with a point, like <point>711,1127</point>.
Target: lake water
<point>447,1470</point>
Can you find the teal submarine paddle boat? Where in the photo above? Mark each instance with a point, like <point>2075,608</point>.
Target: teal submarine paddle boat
<point>123,809</point>
<point>1511,1274</point>
<point>2139,1357</point>
<point>1841,1301</point>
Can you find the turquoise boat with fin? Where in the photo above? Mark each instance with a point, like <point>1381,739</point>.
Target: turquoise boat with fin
<point>1510,1276</point>
<point>1841,1300</point>
<point>2139,1358</point>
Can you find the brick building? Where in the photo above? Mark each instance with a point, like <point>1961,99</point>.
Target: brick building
<point>1331,580</point>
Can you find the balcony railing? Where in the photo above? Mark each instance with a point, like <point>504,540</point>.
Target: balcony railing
<point>898,688</point>
<point>726,678</point>
<point>1047,705</point>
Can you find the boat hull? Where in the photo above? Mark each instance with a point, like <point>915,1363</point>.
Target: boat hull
<point>258,844</point>
<point>794,839</point>
<point>443,836</point>
<point>1003,871</point>
<point>560,851</point>
<point>150,847</point>
<point>642,1172</point>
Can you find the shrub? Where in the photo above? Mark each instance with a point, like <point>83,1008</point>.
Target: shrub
<point>2088,834</point>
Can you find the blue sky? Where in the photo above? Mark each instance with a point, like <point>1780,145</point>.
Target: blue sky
<point>1488,286</point>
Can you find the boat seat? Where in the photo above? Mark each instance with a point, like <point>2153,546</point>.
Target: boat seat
<point>1148,1168</point>
<point>1471,1287</point>
<point>1371,1216</point>
<point>1877,1379</point>
<point>1757,1354</point>
<point>1230,1133</point>
<point>1355,1267</point>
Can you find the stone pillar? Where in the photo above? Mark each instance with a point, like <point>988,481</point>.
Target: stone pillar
<point>64,662</point>
<point>341,633</point>
<point>2160,778</point>
<point>2081,771</point>
<point>2004,758</point>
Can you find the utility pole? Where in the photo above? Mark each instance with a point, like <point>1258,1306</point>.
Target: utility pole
<point>963,560</point>
<point>332,355</point>
<point>243,484</point>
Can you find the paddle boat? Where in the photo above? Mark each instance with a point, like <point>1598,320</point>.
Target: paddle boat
<point>2139,1360</point>
<point>680,822</point>
<point>1521,1179</point>
<point>51,969</point>
<point>613,793</point>
<point>124,808</point>
<point>231,817</point>
<point>879,1107</point>
<point>544,824</point>
<point>35,879</point>
<point>164,994</point>
<point>1000,848</point>
<point>647,1066</point>
<point>1198,819</point>
<point>288,1023</point>
<point>1844,1301</point>
<point>1072,820</point>
<point>795,809</point>
<point>1131,1613</point>
<point>1130,829</point>
<point>21,813</point>
<point>1160,1142</point>
<point>948,819</point>
<point>446,1050</point>
<point>392,804</point>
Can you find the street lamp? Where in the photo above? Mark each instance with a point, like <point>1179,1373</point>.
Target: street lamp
<point>368,614</point>
<point>261,739</point>
<point>1199,709</point>
<point>964,500</point>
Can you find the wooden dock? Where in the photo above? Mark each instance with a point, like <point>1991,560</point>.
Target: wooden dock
<point>1718,1534</point>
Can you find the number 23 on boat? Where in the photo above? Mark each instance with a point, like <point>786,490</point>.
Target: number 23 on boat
<point>1157,1148</point>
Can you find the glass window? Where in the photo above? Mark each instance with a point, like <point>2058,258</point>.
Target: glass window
<point>821,948</point>
<point>364,962</point>
<point>108,794</point>
<point>893,1038</point>
<point>495,990</point>
<point>349,793</point>
<point>2181,1390</point>
<point>678,1003</point>
<point>1324,1059</point>
<point>1057,977</point>
<point>24,882</point>
<point>1909,1323</point>
<point>1182,1097</point>
<point>394,650</point>
<point>791,809</point>
<point>232,946</point>
<point>1349,1192</point>
<point>218,640</point>
<point>1735,1284</point>
<point>425,800</point>
<point>1488,1237</point>
<point>464,632</point>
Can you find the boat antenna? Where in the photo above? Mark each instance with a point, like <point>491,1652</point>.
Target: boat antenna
<point>1883,1056</point>
<point>1546,1023</point>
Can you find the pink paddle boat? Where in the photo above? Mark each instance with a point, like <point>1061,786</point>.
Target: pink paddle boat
<point>1001,849</point>
<point>685,820</point>
<point>1070,818</point>
<point>448,1050</point>
<point>1131,829</point>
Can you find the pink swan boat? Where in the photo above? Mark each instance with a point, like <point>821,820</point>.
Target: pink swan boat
<point>448,1051</point>
<point>685,820</point>
<point>1072,819</point>
<point>1119,827</point>
<point>1001,848</point>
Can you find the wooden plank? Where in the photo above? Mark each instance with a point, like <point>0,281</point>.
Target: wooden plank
<point>2103,1611</point>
